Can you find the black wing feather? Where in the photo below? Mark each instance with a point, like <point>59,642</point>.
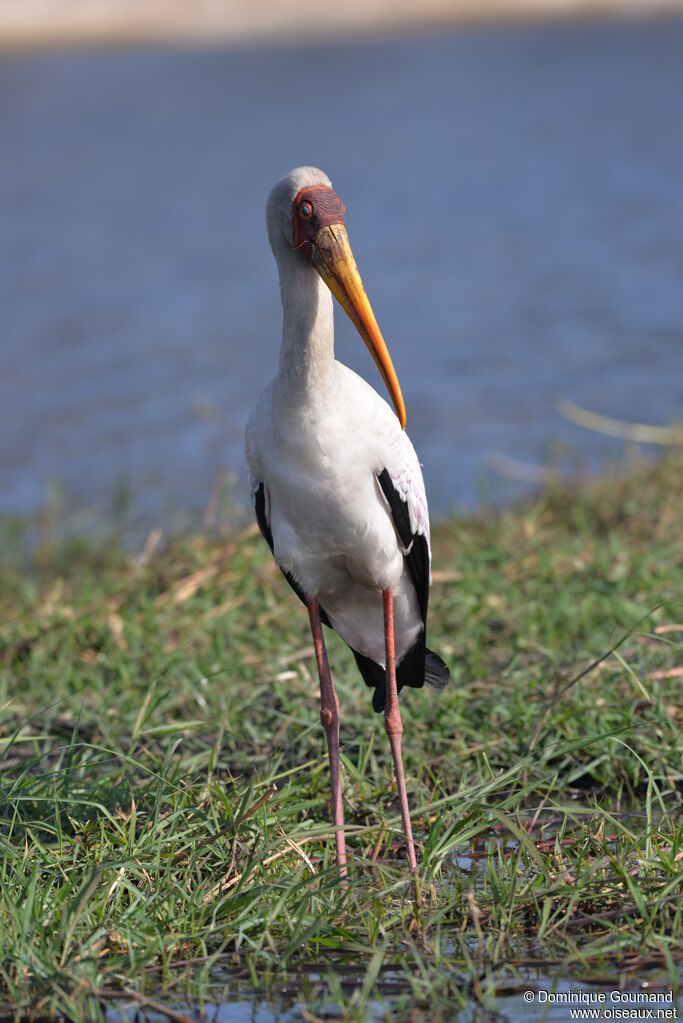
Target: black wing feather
<point>418,664</point>
<point>267,534</point>
<point>261,518</point>
<point>414,544</point>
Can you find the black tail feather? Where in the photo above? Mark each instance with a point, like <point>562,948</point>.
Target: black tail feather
<point>414,669</point>
<point>373,676</point>
<point>436,670</point>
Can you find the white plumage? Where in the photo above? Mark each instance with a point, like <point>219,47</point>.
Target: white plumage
<point>317,439</point>
<point>337,486</point>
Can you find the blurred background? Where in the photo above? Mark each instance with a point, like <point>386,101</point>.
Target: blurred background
<point>513,177</point>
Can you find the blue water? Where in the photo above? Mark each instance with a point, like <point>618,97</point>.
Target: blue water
<point>515,204</point>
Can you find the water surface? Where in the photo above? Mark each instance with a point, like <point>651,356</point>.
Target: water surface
<point>515,203</point>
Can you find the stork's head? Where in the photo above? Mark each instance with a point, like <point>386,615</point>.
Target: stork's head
<point>305,215</point>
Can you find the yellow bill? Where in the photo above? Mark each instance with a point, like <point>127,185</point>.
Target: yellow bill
<point>332,257</point>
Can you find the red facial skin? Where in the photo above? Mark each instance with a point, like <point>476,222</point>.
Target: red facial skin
<point>327,209</point>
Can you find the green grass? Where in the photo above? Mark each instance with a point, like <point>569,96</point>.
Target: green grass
<point>164,799</point>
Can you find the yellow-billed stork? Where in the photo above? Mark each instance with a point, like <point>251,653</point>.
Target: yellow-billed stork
<point>336,483</point>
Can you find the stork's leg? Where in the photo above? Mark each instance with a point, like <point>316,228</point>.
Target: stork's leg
<point>329,718</point>
<point>393,723</point>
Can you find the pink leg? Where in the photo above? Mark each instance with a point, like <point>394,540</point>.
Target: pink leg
<point>329,718</point>
<point>393,723</point>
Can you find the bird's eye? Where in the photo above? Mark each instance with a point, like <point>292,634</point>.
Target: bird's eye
<point>305,211</point>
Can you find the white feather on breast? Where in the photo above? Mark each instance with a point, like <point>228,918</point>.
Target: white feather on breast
<point>331,525</point>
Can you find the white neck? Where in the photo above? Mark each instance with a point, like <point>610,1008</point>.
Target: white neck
<point>307,352</point>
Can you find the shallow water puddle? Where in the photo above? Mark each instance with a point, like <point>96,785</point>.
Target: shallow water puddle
<point>521,995</point>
